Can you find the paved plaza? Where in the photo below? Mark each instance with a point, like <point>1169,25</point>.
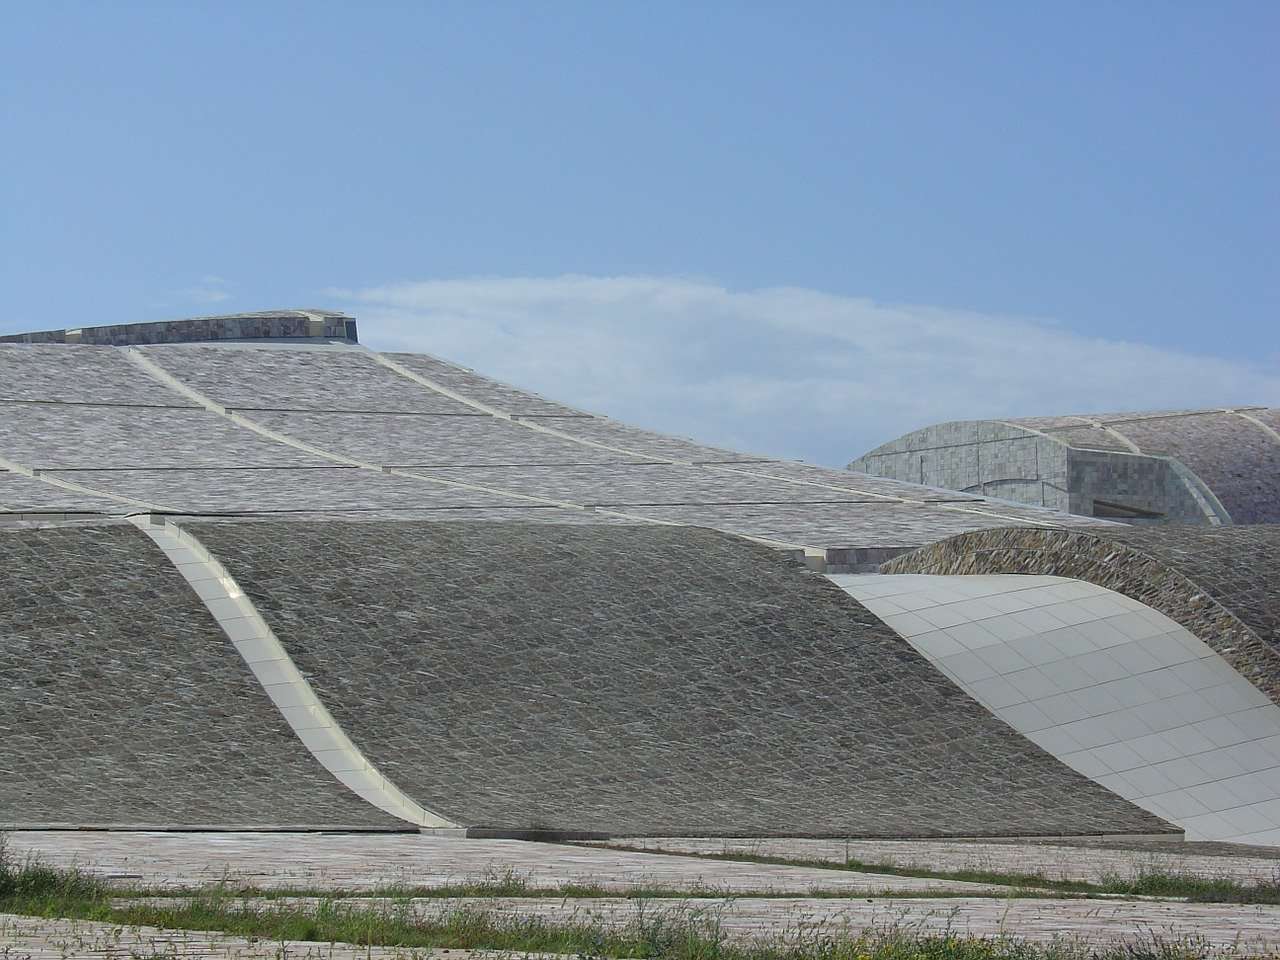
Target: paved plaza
<point>363,862</point>
<point>1054,861</point>
<point>785,904</point>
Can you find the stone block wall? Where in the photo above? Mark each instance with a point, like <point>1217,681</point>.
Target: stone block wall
<point>274,325</point>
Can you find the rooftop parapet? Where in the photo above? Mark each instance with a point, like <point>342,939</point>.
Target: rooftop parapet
<point>268,325</point>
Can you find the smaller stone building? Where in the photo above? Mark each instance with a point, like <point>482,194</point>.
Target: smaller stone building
<point>1211,467</point>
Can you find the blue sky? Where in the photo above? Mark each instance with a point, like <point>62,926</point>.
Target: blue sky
<point>556,192</point>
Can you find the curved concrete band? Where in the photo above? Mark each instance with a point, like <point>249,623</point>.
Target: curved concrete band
<point>1113,688</point>
<point>272,666</point>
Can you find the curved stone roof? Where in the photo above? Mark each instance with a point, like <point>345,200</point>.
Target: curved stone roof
<point>319,427</point>
<point>528,629</point>
<point>1218,583</point>
<point>652,680</point>
<point>1223,464</point>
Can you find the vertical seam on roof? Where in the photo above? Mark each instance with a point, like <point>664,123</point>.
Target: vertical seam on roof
<point>350,767</point>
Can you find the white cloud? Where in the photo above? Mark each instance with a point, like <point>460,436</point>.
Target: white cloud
<point>210,289</point>
<point>783,371</point>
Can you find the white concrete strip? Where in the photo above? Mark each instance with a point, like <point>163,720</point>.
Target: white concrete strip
<point>1258,423</point>
<point>1109,686</point>
<point>33,474</point>
<point>1205,498</point>
<point>1111,432</point>
<point>271,664</point>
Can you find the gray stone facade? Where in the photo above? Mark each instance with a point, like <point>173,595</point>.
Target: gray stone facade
<point>641,680</point>
<point>123,703</point>
<point>1218,583</point>
<point>303,416</point>
<point>1204,467</point>
<point>273,325</point>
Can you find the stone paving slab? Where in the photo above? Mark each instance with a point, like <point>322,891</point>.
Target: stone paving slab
<point>41,938</point>
<point>1054,861</point>
<point>365,862</point>
<point>1246,930</point>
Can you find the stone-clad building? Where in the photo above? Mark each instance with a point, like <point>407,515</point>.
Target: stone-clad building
<point>1208,467</point>
<point>259,576</point>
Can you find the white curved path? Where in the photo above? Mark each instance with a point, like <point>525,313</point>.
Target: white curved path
<point>271,664</point>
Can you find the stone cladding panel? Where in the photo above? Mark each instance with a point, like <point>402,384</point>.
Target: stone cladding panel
<point>316,380</point>
<point>640,483</point>
<point>19,494</point>
<point>55,436</point>
<point>876,523</point>
<point>123,702</point>
<point>861,483</point>
<point>72,374</point>
<point>1271,417</point>
<point>647,680</point>
<point>269,490</point>
<point>644,442</point>
<point>474,386</point>
<point>427,440</point>
<point>1238,461</point>
<point>978,457</point>
<point>1148,483</point>
<point>1219,583</point>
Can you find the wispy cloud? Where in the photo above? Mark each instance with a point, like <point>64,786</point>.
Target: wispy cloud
<point>210,289</point>
<point>784,371</point>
